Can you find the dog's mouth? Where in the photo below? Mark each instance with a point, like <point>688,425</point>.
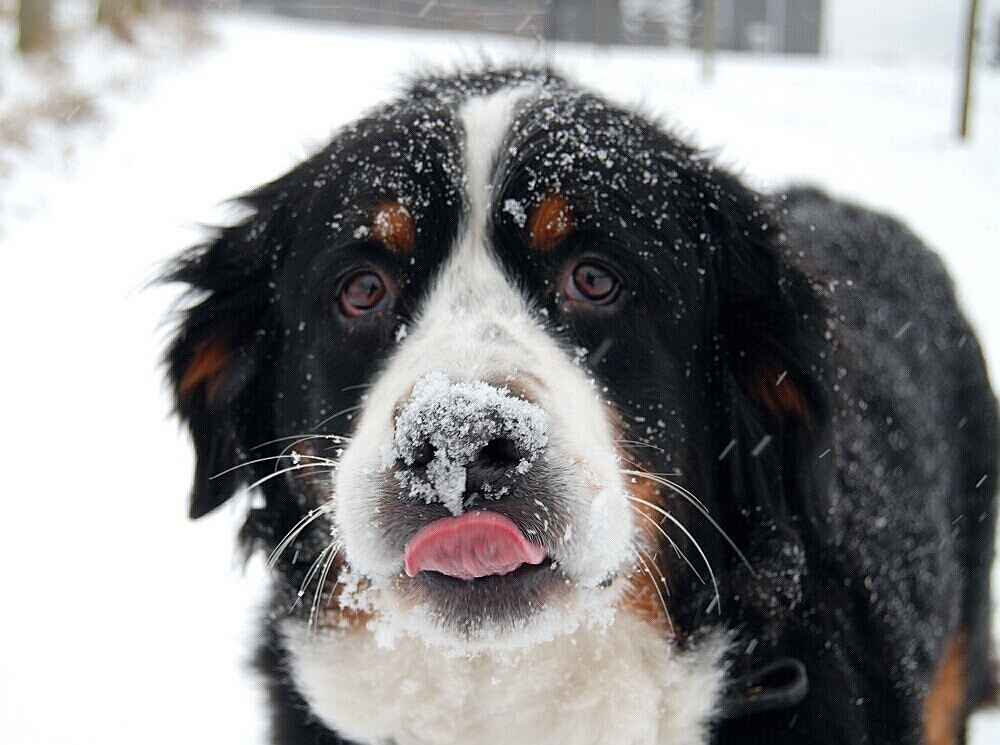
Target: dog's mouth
<point>524,575</point>
<point>471,547</point>
<point>480,567</point>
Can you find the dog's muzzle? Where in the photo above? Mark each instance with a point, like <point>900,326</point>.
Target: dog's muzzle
<point>469,447</point>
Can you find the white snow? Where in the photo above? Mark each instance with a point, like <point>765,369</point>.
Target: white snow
<point>516,210</point>
<point>457,420</point>
<point>899,30</point>
<point>123,620</point>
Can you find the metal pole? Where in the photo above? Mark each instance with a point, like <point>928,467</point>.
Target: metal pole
<point>708,41</point>
<point>968,65</point>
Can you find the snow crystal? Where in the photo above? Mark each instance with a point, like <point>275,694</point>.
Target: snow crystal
<point>457,420</point>
<point>516,210</point>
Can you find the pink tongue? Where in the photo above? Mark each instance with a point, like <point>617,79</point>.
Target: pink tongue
<point>476,544</point>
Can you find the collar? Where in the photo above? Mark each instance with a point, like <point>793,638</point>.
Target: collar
<point>781,684</point>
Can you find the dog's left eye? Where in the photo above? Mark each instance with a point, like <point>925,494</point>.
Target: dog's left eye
<point>593,283</point>
<point>362,292</point>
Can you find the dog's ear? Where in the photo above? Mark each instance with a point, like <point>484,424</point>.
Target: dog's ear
<point>773,326</point>
<point>214,361</point>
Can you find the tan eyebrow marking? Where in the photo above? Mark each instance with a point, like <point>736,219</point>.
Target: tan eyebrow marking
<point>551,221</point>
<point>393,226</point>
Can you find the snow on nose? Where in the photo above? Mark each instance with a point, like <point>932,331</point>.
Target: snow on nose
<point>443,427</point>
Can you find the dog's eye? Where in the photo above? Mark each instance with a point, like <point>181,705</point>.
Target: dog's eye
<point>362,292</point>
<point>593,283</point>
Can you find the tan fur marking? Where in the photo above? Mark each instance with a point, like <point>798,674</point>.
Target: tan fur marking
<point>335,614</point>
<point>778,393</point>
<point>944,706</point>
<point>641,599</point>
<point>210,358</point>
<point>551,221</point>
<point>392,225</point>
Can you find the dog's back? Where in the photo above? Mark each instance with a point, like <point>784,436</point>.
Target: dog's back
<point>915,434</point>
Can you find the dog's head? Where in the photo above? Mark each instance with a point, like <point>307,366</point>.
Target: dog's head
<point>500,358</point>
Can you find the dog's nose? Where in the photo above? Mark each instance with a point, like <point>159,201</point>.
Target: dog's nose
<point>455,441</point>
<point>493,464</point>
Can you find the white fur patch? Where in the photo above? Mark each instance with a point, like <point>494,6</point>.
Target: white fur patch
<point>626,685</point>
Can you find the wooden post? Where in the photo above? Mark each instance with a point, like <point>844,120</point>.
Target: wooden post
<point>708,41</point>
<point>34,26</point>
<point>968,66</point>
<point>117,16</point>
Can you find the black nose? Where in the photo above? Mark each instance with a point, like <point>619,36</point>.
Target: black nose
<point>423,455</point>
<point>493,466</point>
<point>456,441</point>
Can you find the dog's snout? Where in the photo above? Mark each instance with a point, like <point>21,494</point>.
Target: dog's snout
<point>454,441</point>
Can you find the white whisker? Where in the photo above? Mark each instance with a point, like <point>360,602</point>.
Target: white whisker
<point>663,602</point>
<point>318,595</point>
<point>678,489</point>
<point>326,461</point>
<point>292,534</point>
<point>330,418</point>
<point>328,464</point>
<point>642,444</point>
<point>670,540</point>
<point>654,565</point>
<point>291,446</point>
<point>690,537</point>
<point>337,438</point>
<point>309,575</point>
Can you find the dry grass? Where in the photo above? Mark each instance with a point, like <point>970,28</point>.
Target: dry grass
<point>62,102</point>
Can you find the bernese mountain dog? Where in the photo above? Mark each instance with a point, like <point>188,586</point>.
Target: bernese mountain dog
<point>560,434</point>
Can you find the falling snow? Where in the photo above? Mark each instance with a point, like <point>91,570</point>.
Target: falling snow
<point>243,139</point>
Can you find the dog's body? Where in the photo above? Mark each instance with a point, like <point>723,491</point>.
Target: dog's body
<point>588,442</point>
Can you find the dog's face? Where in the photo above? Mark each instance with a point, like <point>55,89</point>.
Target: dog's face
<point>521,346</point>
<point>483,481</point>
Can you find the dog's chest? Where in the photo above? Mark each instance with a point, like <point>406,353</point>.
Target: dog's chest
<point>624,685</point>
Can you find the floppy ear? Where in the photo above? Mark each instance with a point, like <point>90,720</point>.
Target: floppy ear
<point>214,360</point>
<point>773,324</point>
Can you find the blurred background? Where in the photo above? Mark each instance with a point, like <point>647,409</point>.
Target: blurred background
<point>126,125</point>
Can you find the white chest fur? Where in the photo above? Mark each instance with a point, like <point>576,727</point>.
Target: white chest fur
<point>624,684</point>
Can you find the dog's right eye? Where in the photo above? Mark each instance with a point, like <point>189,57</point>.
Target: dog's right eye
<point>593,283</point>
<point>362,292</point>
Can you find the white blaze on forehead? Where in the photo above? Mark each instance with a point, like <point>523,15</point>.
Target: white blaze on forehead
<point>486,121</point>
<point>473,284</point>
<point>476,325</point>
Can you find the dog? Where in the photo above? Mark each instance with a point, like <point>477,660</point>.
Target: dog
<point>559,433</point>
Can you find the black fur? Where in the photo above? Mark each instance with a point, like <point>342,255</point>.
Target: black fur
<point>862,493</point>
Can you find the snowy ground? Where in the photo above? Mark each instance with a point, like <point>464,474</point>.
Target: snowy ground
<point>124,621</point>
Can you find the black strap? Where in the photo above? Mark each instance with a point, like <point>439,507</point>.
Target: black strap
<point>778,685</point>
